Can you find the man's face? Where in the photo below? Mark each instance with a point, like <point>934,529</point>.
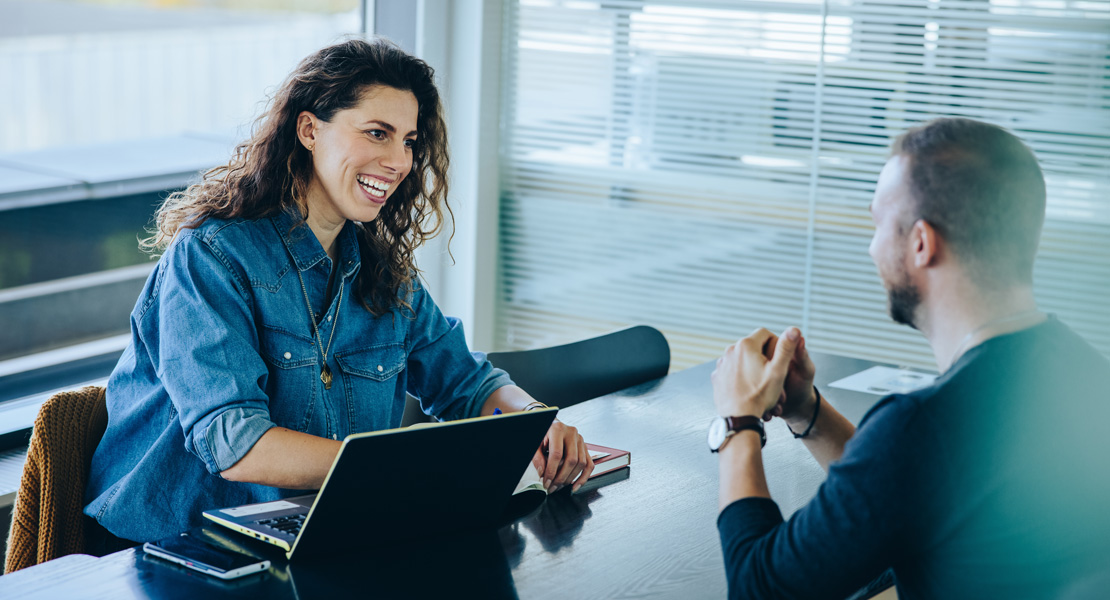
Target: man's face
<point>888,248</point>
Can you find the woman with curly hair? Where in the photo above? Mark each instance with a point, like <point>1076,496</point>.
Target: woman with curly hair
<point>286,311</point>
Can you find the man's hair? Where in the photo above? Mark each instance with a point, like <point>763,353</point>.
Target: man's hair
<point>980,187</point>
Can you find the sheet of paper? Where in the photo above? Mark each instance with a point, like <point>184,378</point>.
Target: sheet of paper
<point>254,509</point>
<point>885,380</point>
<point>596,454</point>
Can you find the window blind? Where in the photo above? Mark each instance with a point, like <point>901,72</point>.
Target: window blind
<point>706,167</point>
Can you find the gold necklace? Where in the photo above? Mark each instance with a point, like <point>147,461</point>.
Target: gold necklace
<point>325,371</point>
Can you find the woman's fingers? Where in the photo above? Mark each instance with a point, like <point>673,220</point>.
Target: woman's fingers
<point>588,466</point>
<point>555,453</point>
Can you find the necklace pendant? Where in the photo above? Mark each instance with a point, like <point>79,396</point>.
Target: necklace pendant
<point>325,376</point>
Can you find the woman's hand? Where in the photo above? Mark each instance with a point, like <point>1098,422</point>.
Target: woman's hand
<point>563,458</point>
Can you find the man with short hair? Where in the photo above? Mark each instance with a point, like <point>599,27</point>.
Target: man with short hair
<point>992,482</point>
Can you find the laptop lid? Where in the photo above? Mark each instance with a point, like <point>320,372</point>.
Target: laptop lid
<point>402,484</point>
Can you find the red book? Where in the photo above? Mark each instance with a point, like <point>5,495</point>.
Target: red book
<point>608,459</point>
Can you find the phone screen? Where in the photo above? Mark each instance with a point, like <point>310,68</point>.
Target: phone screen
<point>194,550</point>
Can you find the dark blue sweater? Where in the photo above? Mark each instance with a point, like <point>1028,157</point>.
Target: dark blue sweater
<point>992,483</point>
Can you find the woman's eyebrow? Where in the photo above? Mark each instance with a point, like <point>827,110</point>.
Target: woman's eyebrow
<point>387,127</point>
<point>382,124</point>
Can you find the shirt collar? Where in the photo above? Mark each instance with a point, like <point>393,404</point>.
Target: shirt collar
<point>349,256</point>
<point>306,249</point>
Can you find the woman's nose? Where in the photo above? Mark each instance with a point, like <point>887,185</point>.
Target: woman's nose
<point>396,157</point>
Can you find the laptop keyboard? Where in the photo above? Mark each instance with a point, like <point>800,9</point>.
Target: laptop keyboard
<point>290,524</point>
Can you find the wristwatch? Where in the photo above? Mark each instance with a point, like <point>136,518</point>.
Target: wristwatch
<point>722,428</point>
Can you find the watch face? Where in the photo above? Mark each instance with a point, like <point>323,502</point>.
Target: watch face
<point>718,430</point>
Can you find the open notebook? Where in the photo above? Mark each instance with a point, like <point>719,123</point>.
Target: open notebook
<point>606,460</point>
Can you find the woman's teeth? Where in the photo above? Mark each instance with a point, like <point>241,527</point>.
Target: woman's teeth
<point>376,188</point>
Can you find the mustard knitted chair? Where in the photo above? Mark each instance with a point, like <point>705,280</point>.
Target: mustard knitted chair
<point>47,521</point>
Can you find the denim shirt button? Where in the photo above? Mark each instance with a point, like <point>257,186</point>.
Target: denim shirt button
<point>380,369</point>
<point>288,355</point>
<point>329,318</point>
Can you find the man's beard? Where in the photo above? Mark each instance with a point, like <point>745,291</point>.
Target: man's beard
<point>902,300</point>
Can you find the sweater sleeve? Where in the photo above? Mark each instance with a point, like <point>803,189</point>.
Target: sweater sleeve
<point>848,534</point>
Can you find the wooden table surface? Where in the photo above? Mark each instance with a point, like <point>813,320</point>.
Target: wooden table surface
<point>649,533</point>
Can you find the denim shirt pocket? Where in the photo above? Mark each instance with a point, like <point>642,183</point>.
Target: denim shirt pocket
<point>293,364</point>
<point>370,376</point>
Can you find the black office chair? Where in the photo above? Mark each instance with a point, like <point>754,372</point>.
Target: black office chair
<point>566,375</point>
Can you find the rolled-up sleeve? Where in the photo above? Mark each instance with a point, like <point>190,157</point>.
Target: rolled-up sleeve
<point>494,378</point>
<point>203,343</point>
<point>230,435</point>
<point>451,381</point>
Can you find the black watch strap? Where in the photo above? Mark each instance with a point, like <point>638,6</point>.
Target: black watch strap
<point>737,424</point>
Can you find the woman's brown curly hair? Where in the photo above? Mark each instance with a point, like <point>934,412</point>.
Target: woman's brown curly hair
<point>272,171</point>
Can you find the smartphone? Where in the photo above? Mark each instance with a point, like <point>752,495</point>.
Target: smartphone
<point>196,554</point>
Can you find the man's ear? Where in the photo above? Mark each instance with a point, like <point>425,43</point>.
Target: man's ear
<point>307,124</point>
<point>925,244</point>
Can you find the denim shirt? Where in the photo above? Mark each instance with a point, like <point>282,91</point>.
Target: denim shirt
<point>222,350</point>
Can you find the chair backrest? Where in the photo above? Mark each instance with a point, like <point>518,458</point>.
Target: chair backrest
<point>48,519</point>
<point>566,375</point>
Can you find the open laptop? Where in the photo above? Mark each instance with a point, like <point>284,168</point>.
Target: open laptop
<point>402,484</point>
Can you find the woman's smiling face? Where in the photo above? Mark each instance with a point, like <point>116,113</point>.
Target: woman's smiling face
<point>361,155</point>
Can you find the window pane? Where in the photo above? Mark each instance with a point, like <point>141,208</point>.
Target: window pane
<point>706,167</point>
<point>80,72</point>
<point>108,106</point>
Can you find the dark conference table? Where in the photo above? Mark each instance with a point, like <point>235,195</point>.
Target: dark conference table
<point>649,532</point>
